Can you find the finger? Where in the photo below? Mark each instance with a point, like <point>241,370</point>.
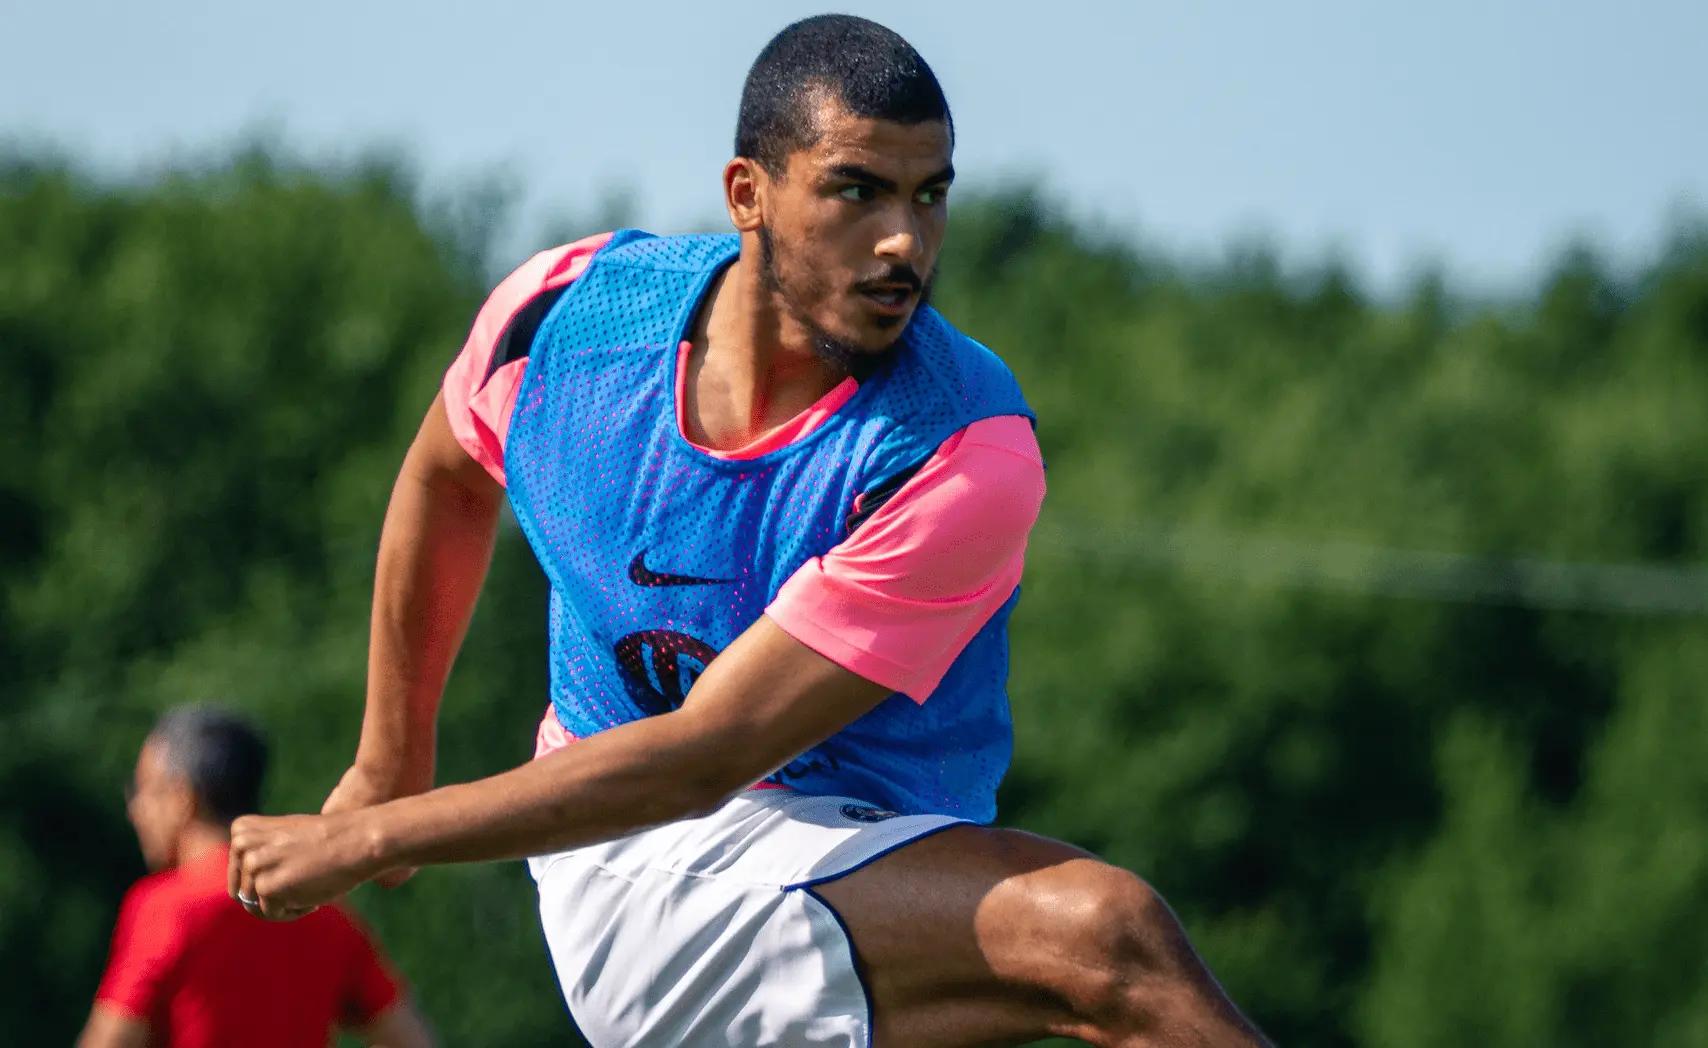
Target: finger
<point>246,894</point>
<point>273,908</point>
<point>233,869</point>
<point>270,906</point>
<point>237,856</point>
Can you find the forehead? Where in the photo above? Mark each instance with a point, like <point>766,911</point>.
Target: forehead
<point>898,151</point>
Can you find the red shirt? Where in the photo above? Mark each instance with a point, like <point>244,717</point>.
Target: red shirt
<point>200,971</point>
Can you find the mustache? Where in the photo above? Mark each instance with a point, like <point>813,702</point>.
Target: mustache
<point>900,273</point>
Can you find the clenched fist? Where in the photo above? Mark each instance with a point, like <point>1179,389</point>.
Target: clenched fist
<point>283,867</point>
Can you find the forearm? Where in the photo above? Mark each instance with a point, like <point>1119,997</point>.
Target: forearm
<point>763,701</point>
<point>636,775</point>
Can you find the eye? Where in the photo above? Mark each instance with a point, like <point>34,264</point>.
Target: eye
<point>932,196</point>
<point>856,194</point>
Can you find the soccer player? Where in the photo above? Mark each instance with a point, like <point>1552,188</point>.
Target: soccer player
<point>188,966</point>
<point>783,506</point>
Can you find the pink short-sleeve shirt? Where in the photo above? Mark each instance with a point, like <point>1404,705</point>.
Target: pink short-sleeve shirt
<point>897,600</point>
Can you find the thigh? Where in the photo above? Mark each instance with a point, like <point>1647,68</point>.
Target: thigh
<point>957,936</point>
<point>668,959</point>
<point>702,932</point>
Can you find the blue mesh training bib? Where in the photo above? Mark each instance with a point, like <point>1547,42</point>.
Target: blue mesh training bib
<point>659,555</point>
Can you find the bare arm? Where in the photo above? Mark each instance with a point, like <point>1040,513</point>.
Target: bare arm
<point>399,1026</point>
<point>111,1028</point>
<point>435,549</point>
<point>762,702</point>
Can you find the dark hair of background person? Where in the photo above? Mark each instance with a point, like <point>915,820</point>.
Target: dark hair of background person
<point>871,70</point>
<point>221,755</point>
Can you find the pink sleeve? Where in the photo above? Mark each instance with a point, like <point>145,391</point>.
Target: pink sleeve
<point>478,395</point>
<point>900,597</point>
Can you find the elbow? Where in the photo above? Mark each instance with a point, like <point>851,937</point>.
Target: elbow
<point>709,787</point>
<point>703,769</point>
<point>672,791</point>
<point>701,795</point>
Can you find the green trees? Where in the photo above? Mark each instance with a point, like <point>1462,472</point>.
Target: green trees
<point>1328,627</point>
<point>208,385</point>
<point>1369,631</point>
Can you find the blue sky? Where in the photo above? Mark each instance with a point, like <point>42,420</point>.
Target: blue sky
<point>1479,135</point>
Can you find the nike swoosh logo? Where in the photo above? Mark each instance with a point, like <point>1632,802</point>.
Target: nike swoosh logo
<point>641,575</point>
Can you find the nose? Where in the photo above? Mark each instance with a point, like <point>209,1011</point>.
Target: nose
<point>901,242</point>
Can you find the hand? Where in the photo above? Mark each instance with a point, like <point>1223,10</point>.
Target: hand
<point>361,787</point>
<point>284,867</point>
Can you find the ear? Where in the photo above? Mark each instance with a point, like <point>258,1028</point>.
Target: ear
<point>181,797</point>
<point>745,187</point>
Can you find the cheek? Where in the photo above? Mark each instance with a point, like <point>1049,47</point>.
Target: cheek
<point>811,265</point>
<point>932,227</point>
<point>838,240</point>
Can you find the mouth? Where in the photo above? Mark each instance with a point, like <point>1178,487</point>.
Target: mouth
<point>889,299</point>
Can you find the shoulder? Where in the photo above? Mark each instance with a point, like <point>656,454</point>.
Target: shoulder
<point>948,376</point>
<point>480,384</point>
<point>638,249</point>
<point>187,901</point>
<point>553,267</point>
<point>954,355</point>
<point>958,520</point>
<point>505,326</point>
<point>941,381</point>
<point>980,490</point>
<point>156,894</point>
<point>1012,435</point>
<point>513,312</point>
<point>932,554</point>
<point>157,916</point>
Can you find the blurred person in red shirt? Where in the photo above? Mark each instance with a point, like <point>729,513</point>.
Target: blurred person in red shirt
<point>189,967</point>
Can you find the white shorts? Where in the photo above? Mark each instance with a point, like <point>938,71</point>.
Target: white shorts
<point>708,932</point>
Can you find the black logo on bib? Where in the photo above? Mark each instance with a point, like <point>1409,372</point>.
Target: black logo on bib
<point>660,666</point>
<point>641,575</point>
<point>866,813</point>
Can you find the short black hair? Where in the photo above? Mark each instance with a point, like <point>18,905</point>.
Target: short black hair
<point>221,755</point>
<point>869,69</point>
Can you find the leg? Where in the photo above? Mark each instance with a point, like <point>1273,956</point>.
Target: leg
<point>987,936</point>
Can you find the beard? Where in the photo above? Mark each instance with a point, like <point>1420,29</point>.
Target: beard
<point>843,354</point>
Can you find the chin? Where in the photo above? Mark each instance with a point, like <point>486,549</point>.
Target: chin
<point>878,334</point>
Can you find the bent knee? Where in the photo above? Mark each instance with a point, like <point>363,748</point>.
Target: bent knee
<point>1125,962</point>
<point>1119,930</point>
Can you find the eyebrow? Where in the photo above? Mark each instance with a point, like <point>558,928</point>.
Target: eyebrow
<point>856,173</point>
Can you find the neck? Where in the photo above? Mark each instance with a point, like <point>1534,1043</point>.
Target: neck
<point>751,366</point>
<point>198,839</point>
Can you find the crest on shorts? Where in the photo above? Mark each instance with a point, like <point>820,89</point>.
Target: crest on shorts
<point>866,813</point>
